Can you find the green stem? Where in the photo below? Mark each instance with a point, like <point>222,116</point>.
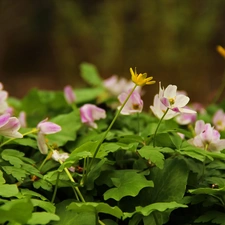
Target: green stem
<point>72,180</point>
<point>55,189</point>
<point>34,130</point>
<point>108,129</point>
<point>45,160</point>
<point>159,125</point>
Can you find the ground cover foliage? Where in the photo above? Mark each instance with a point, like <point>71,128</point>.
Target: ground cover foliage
<point>136,175</point>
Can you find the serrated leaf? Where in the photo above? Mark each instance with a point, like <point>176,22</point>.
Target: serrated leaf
<point>214,216</point>
<point>129,184</point>
<point>167,186</point>
<point>18,173</point>
<point>70,123</point>
<point>96,207</point>
<point>159,206</point>
<point>42,218</point>
<point>90,74</point>
<point>94,174</point>
<point>207,191</point>
<point>19,210</point>
<point>153,155</point>
<point>42,184</point>
<point>8,190</point>
<point>69,217</point>
<point>47,206</point>
<point>2,180</point>
<point>28,193</point>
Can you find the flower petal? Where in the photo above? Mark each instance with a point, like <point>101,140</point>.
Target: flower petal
<point>4,119</point>
<point>41,143</point>
<point>170,91</point>
<point>48,127</point>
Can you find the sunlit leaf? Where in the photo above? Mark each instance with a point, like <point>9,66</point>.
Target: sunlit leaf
<point>154,156</point>
<point>129,184</point>
<point>42,218</point>
<point>96,207</point>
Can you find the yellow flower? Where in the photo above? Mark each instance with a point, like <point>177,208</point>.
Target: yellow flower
<point>221,50</point>
<point>141,79</point>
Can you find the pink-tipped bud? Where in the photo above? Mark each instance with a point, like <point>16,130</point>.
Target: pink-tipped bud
<point>69,94</point>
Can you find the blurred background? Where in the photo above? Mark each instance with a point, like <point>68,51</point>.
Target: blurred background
<point>43,43</point>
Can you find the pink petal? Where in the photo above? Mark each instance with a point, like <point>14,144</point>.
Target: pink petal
<point>4,119</point>
<point>69,94</point>
<point>165,101</point>
<point>10,129</point>
<point>199,126</point>
<point>41,143</point>
<point>48,127</point>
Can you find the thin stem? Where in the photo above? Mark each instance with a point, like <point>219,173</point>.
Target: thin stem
<point>159,125</point>
<point>108,129</point>
<point>55,189</point>
<point>72,180</point>
<point>34,130</point>
<point>45,160</point>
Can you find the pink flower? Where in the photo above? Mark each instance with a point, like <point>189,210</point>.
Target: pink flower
<point>219,120</point>
<point>22,119</point>
<point>207,137</point>
<point>3,98</point>
<point>69,94</point>
<point>174,101</point>
<point>9,126</point>
<point>186,118</point>
<point>134,103</point>
<point>159,108</point>
<point>116,85</point>
<point>89,113</point>
<point>44,128</point>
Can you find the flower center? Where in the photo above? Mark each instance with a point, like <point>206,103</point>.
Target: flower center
<point>172,101</point>
<point>136,106</point>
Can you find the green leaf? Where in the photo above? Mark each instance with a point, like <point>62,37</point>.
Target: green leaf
<point>47,206</point>
<point>129,184</point>
<point>85,95</point>
<point>96,207</point>
<point>2,180</point>
<point>213,216</point>
<point>153,155</point>
<point>16,211</point>
<point>90,74</point>
<point>70,123</point>
<point>28,193</point>
<point>94,174</point>
<point>167,186</point>
<point>159,206</point>
<point>42,184</point>
<point>69,217</point>
<point>42,218</point>
<point>207,191</point>
<point>8,190</point>
<point>18,173</point>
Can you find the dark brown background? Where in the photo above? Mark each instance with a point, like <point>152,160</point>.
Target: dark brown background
<point>42,43</point>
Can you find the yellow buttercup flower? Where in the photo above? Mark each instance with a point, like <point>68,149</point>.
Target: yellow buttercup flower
<point>221,50</point>
<point>141,79</point>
